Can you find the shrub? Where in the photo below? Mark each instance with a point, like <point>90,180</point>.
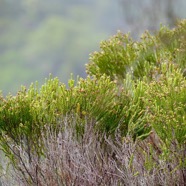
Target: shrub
<point>122,125</point>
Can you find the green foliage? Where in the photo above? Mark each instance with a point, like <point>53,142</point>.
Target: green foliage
<point>151,72</point>
<point>114,58</point>
<point>136,89</point>
<point>167,98</point>
<point>120,54</point>
<point>126,74</point>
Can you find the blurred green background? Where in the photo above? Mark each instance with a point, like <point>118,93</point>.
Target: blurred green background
<point>39,37</point>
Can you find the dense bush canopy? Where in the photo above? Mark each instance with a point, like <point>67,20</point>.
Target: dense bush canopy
<point>135,94</point>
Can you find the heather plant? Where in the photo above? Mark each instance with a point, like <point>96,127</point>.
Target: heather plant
<point>167,112</point>
<point>156,65</point>
<point>122,125</point>
<point>121,55</point>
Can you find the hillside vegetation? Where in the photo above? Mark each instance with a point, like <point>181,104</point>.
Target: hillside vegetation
<point>42,37</point>
<point>125,124</point>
